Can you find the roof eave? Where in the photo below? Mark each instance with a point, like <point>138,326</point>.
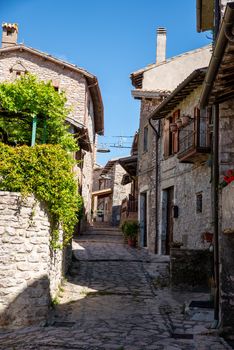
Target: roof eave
<point>156,114</point>
<point>217,55</point>
<point>98,106</point>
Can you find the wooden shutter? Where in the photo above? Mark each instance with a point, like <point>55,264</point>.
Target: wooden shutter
<point>175,138</point>
<point>175,135</point>
<point>166,132</point>
<point>197,126</point>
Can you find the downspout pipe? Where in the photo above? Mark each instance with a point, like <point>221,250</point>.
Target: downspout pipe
<point>215,185</point>
<point>223,34</point>
<point>217,18</point>
<point>157,136</point>
<point>215,200</point>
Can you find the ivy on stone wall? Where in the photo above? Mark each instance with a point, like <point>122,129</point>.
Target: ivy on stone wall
<point>46,172</point>
<point>42,170</point>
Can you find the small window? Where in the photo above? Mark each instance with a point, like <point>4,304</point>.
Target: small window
<point>18,74</point>
<point>199,203</point>
<point>145,145</point>
<point>9,32</point>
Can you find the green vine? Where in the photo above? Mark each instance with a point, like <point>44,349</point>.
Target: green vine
<point>42,170</point>
<point>46,172</point>
<point>27,97</point>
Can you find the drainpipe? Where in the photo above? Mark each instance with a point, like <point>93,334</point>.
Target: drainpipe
<point>217,18</point>
<point>215,195</point>
<point>215,186</point>
<point>157,136</point>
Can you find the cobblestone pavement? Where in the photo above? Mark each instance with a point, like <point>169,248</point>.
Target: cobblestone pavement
<point>116,298</point>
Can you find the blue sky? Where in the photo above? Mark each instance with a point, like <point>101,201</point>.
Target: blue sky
<point>110,39</point>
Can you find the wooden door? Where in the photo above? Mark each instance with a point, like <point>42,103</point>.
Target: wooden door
<point>143,219</point>
<point>169,235</point>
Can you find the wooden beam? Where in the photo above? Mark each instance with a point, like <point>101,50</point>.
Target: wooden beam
<point>225,97</point>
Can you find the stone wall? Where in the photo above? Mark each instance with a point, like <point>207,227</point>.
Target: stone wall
<point>30,272</point>
<point>119,193</point>
<point>78,97</point>
<point>162,77</point>
<point>146,170</point>
<point>190,269</point>
<point>188,180</point>
<point>227,259</point>
<point>226,136</point>
<point>72,83</point>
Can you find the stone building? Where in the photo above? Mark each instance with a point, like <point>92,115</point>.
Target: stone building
<point>129,206</point>
<point>218,94</point>
<point>152,84</point>
<point>82,93</point>
<point>110,194</point>
<point>184,191</point>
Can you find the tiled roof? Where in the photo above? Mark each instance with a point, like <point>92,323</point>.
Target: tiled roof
<point>140,93</point>
<point>185,88</point>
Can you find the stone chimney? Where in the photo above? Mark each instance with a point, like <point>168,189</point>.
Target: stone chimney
<point>9,34</point>
<point>161,45</point>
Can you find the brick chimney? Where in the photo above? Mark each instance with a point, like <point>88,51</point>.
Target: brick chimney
<point>161,45</point>
<point>9,34</point>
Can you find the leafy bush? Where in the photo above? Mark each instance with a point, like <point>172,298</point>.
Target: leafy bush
<point>130,229</point>
<point>46,172</point>
<point>27,97</point>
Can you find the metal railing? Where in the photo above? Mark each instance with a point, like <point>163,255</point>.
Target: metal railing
<point>132,205</point>
<point>129,205</point>
<point>194,136</point>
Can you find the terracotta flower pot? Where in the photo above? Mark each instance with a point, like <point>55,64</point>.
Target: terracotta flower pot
<point>173,127</point>
<point>132,242</point>
<point>179,123</point>
<point>185,120</point>
<point>208,237</point>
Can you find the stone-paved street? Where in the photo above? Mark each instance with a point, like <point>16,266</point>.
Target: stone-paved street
<point>116,298</point>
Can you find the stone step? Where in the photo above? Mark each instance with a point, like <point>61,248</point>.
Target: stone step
<point>106,230</point>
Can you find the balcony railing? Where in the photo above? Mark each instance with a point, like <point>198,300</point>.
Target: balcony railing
<point>128,207</point>
<point>194,140</point>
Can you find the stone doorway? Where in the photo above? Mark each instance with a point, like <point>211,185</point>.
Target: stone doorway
<point>143,219</point>
<point>167,219</point>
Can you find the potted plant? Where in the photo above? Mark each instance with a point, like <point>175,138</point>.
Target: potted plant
<point>176,244</point>
<point>179,123</point>
<point>173,127</point>
<point>185,119</point>
<point>130,232</point>
<point>207,236</point>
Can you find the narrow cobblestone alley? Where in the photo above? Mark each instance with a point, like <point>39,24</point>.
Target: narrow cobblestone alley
<point>115,297</point>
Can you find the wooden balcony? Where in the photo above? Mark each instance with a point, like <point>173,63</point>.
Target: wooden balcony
<point>194,141</point>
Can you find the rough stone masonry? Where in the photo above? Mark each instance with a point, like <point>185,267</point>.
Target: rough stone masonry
<point>30,272</point>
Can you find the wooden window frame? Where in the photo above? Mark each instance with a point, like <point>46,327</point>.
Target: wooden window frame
<point>199,202</point>
<point>171,139</point>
